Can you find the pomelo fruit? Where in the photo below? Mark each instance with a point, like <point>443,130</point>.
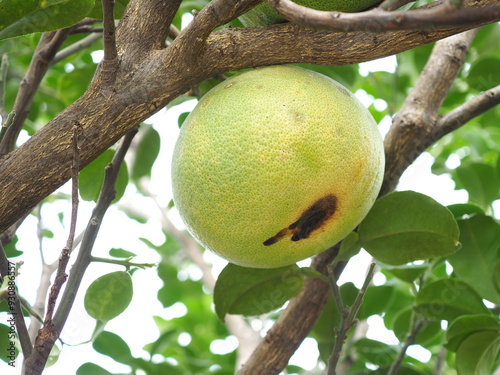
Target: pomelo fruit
<point>275,165</point>
<point>264,14</point>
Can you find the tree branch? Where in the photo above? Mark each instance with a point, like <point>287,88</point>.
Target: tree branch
<point>438,14</point>
<point>47,336</point>
<point>45,51</point>
<point>412,125</point>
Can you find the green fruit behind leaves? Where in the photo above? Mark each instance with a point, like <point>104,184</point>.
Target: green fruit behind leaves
<point>264,14</point>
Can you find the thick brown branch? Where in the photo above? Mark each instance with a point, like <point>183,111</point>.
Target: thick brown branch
<point>379,20</point>
<point>413,125</point>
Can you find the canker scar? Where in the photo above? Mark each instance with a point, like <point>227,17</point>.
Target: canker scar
<point>310,220</point>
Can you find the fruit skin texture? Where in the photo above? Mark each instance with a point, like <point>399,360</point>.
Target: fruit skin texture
<point>275,165</point>
<point>264,14</point>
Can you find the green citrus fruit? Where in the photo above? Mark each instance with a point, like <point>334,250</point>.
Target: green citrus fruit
<point>275,165</point>
<point>264,14</point>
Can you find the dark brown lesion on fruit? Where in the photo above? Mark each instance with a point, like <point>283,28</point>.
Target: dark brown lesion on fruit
<point>310,220</point>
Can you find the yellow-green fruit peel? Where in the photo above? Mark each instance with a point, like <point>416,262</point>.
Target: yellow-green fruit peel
<point>264,14</point>
<point>275,165</point>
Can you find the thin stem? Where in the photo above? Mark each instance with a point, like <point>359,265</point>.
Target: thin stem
<point>347,318</point>
<point>123,262</point>
<point>410,340</point>
<point>4,67</point>
<point>76,47</point>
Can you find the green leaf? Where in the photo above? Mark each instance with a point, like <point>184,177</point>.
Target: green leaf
<point>448,299</point>
<point>182,118</point>
<point>92,177</point>
<point>408,273</point>
<point>89,368</point>
<point>375,300</point>
<point>9,342</point>
<point>114,346</point>
<point>109,295</point>
<point>120,253</point>
<point>484,74</point>
<point>402,327</point>
<point>349,247</point>
<point>475,262</point>
<point>477,354</point>
<point>481,182</point>
<point>146,153</point>
<point>32,16</point>
<point>462,210</point>
<point>55,352</point>
<point>406,226</point>
<point>10,249</point>
<point>465,325</point>
<point>375,352</point>
<point>254,291</point>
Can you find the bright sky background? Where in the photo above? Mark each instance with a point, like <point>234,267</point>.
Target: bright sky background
<point>136,325</point>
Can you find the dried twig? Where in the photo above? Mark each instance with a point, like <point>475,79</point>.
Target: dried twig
<point>76,47</point>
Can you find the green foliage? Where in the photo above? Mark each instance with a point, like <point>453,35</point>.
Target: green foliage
<point>32,16</point>
<point>109,295</point>
<point>92,177</point>
<point>253,291</point>
<point>406,226</point>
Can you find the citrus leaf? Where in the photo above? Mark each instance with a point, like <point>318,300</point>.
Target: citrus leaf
<point>406,226</point>
<point>484,74</point>
<point>120,253</point>
<point>89,368</point>
<point>476,260</point>
<point>9,343</point>
<point>146,153</point>
<point>481,182</point>
<point>112,345</point>
<point>408,273</point>
<point>477,354</point>
<point>448,299</point>
<point>109,295</point>
<point>462,210</point>
<point>255,291</point>
<point>402,326</point>
<point>375,352</point>
<point>465,325</point>
<point>91,178</point>
<point>32,16</point>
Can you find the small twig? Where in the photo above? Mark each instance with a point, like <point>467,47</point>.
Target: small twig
<point>75,47</point>
<point>123,262</point>
<point>347,317</point>
<point>110,53</point>
<point>440,361</point>
<point>410,340</point>
<point>4,67</point>
<point>64,257</point>
<point>7,122</point>
<point>378,20</point>
<point>467,111</point>
<point>44,53</point>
